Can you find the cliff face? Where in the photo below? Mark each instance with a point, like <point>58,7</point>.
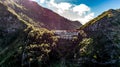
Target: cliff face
<point>39,16</point>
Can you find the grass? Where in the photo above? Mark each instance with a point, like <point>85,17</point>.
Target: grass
<point>105,14</point>
<point>11,49</point>
<point>22,17</point>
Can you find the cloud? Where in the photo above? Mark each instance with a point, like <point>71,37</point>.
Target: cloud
<point>32,0</point>
<point>70,11</point>
<point>86,18</point>
<point>61,7</point>
<point>42,1</point>
<point>81,9</point>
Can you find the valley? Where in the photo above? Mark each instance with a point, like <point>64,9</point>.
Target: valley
<point>29,38</point>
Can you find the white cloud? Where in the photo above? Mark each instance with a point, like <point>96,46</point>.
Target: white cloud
<point>42,1</point>
<point>61,7</point>
<point>81,9</point>
<point>70,11</point>
<point>32,0</point>
<point>86,18</point>
<point>64,6</point>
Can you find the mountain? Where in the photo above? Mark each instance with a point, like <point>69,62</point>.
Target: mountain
<point>10,26</point>
<point>40,17</point>
<point>11,33</point>
<point>24,34</point>
<point>105,34</point>
<point>107,23</point>
<point>17,36</point>
<point>26,42</point>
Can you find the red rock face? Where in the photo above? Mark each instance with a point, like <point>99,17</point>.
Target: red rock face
<point>44,17</point>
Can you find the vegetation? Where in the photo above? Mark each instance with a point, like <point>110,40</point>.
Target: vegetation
<point>24,40</point>
<point>22,44</point>
<point>103,15</point>
<point>39,43</point>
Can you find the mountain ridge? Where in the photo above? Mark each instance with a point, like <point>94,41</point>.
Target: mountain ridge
<point>104,31</point>
<point>39,16</point>
<point>24,43</point>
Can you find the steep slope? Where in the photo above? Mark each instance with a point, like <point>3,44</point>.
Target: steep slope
<point>108,23</point>
<point>21,41</point>
<point>23,44</point>
<point>11,33</point>
<point>9,25</point>
<point>39,16</point>
<point>18,37</point>
<point>104,30</point>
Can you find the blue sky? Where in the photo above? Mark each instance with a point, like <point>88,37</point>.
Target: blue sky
<point>81,10</point>
<point>97,6</point>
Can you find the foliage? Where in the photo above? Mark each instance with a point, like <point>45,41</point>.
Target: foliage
<point>40,42</point>
<point>85,48</point>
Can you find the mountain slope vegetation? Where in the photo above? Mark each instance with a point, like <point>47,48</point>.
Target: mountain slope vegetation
<point>25,40</point>
<point>104,31</point>
<point>18,36</point>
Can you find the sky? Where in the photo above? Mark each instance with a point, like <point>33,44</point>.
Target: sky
<point>79,10</point>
